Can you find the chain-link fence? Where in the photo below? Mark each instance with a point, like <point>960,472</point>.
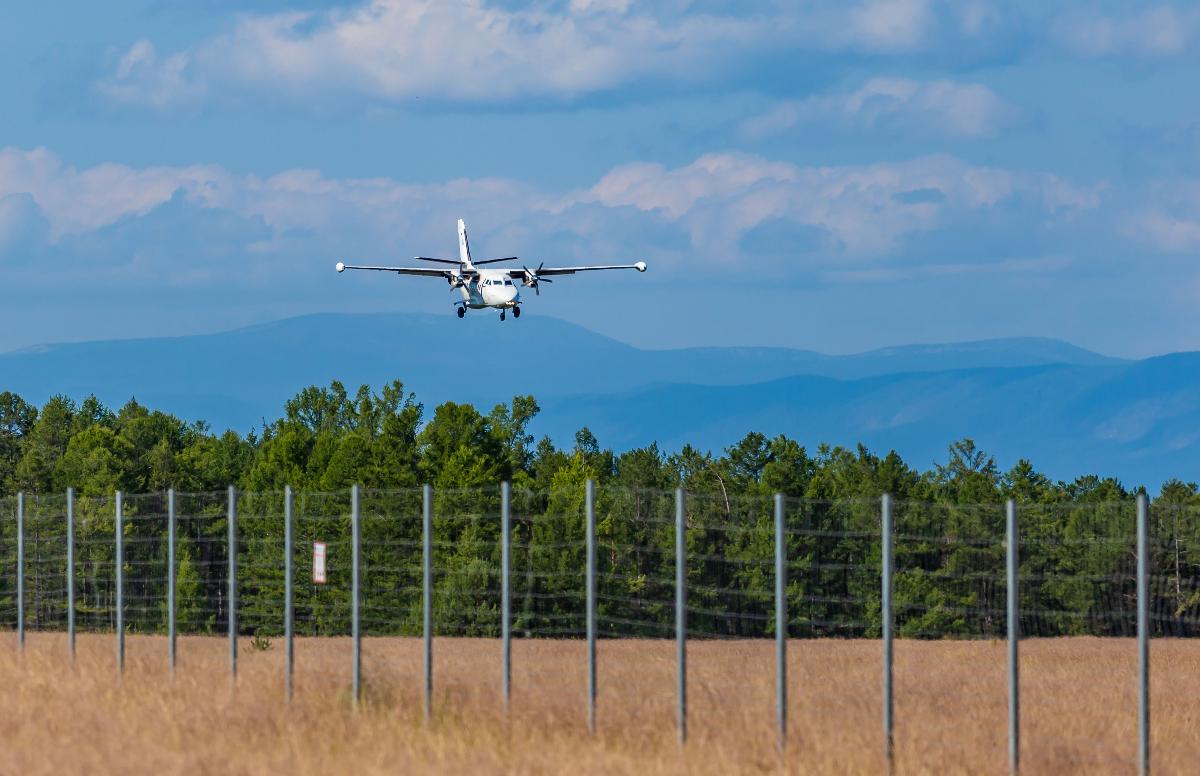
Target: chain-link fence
<point>586,564</point>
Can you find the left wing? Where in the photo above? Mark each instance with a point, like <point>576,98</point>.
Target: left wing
<point>517,274</point>
<point>426,271</point>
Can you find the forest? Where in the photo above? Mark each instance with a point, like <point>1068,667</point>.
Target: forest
<point>1076,537</point>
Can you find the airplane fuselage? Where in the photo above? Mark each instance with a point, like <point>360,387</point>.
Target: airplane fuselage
<point>491,288</point>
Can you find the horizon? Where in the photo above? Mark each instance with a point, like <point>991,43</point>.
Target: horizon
<point>34,347</point>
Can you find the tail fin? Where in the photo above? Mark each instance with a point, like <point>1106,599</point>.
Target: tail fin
<point>464,250</point>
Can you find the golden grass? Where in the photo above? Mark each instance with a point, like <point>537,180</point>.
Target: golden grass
<point>951,708</point>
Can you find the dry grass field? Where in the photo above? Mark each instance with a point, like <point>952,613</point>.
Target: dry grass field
<point>1078,708</point>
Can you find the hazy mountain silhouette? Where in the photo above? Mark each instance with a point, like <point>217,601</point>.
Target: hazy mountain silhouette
<point>1069,410</point>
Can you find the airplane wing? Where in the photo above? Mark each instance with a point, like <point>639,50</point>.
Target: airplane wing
<point>517,274</point>
<point>426,271</point>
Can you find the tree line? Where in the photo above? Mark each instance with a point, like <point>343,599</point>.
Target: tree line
<point>1076,546</point>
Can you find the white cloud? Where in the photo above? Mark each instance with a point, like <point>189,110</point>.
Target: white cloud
<point>866,210</point>
<point>1167,216</point>
<point>480,52</point>
<point>141,77</point>
<point>893,25</point>
<point>941,107</point>
<point>1166,232</point>
<point>977,17</point>
<point>77,201</point>
<point>1153,31</point>
<point>455,50</point>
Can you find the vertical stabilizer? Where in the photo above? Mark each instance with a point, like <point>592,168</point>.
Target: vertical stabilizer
<point>464,249</point>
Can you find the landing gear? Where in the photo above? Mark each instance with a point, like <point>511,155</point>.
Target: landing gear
<point>501,315</point>
<point>462,311</point>
<point>516,312</point>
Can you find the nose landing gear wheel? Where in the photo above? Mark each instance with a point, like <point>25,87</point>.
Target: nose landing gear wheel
<point>462,311</point>
<point>501,315</point>
<point>516,312</point>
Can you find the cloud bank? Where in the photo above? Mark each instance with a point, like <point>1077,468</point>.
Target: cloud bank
<point>196,224</point>
<point>479,52</point>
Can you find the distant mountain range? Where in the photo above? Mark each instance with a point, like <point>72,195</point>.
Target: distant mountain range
<point>1069,410</point>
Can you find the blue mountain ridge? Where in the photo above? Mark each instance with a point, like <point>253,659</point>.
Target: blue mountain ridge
<point>1069,410</point>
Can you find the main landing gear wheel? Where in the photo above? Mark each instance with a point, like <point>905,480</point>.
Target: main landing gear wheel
<point>501,315</point>
<point>516,312</point>
<point>462,311</point>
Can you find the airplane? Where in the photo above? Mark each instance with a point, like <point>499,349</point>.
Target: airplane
<point>484,288</point>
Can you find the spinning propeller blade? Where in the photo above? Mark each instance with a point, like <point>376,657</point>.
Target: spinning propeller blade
<point>532,280</point>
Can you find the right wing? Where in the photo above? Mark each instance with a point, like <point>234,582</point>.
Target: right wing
<point>517,274</point>
<point>426,271</point>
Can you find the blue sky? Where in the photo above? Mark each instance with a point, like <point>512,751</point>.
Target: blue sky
<point>826,175</point>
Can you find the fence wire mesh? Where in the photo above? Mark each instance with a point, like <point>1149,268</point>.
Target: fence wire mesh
<point>1077,565</point>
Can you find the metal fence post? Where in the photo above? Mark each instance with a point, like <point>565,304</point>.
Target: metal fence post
<point>590,529</point>
<point>21,571</point>
<point>119,530</point>
<point>681,615</point>
<point>427,593</point>
<point>171,573</point>
<point>1014,636</point>
<point>1143,634</point>
<point>886,618</point>
<point>288,573</point>
<point>232,547</point>
<point>781,623</point>
<point>355,560</point>
<point>505,592</point>
<point>71,573</point>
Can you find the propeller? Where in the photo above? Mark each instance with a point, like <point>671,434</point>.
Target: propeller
<point>532,280</point>
<point>459,279</point>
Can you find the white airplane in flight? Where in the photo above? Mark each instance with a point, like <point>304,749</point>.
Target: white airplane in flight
<point>482,288</point>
